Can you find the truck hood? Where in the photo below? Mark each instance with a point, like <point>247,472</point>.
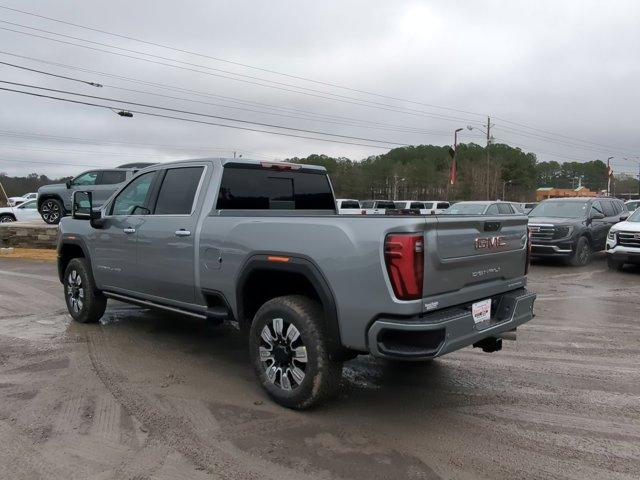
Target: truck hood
<point>555,220</point>
<point>626,226</point>
<point>54,187</point>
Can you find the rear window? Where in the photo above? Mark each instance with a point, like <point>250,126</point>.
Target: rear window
<point>505,209</point>
<point>247,188</point>
<point>442,205</point>
<point>385,205</point>
<point>111,177</point>
<point>417,205</point>
<point>349,204</point>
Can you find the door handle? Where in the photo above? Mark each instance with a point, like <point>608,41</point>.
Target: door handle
<point>129,230</point>
<point>182,233</point>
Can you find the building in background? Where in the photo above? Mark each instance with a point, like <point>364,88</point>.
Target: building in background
<point>551,192</point>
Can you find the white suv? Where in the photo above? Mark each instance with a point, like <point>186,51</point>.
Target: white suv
<point>623,242</point>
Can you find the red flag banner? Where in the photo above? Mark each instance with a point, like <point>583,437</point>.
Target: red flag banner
<point>454,172</point>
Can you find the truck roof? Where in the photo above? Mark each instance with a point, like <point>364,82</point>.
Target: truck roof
<point>225,161</point>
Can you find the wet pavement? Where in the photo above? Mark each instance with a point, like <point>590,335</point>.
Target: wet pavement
<point>149,395</point>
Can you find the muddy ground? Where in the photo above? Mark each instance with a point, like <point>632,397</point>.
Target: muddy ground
<point>147,395</point>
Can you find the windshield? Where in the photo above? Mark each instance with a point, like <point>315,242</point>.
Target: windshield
<point>570,209</point>
<point>635,216</point>
<point>466,209</point>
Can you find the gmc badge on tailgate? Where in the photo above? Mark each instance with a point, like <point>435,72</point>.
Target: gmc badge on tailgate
<point>489,242</point>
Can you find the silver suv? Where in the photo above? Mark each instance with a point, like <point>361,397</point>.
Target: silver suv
<point>54,201</point>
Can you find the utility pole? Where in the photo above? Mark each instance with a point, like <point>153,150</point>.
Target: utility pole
<point>487,151</point>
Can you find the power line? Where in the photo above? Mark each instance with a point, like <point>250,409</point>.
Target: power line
<point>93,84</point>
<point>218,117</point>
<point>110,107</point>
<point>245,65</point>
<point>266,70</point>
<point>178,148</point>
<point>367,123</point>
<point>309,92</point>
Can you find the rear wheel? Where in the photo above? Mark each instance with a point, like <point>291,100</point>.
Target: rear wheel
<point>84,302</point>
<point>290,353</point>
<point>582,255</point>
<point>6,218</point>
<point>614,264</point>
<point>52,211</point>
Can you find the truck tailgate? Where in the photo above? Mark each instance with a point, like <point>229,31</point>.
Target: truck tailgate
<point>467,252</point>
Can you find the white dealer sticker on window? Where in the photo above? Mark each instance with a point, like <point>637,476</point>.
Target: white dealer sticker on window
<point>481,311</point>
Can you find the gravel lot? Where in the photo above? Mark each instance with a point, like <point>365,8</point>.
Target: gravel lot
<point>146,395</point>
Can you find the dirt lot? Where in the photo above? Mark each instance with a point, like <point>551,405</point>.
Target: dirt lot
<point>146,395</point>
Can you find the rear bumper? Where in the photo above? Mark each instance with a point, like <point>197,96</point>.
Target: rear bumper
<point>434,334</point>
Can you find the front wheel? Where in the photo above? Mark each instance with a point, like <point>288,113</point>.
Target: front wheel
<point>582,255</point>
<point>6,218</point>
<point>52,211</point>
<point>289,350</point>
<point>84,302</point>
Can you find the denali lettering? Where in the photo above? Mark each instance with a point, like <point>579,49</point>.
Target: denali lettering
<point>489,242</point>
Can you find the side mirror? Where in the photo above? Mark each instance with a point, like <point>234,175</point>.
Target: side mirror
<point>624,216</point>
<point>597,216</point>
<point>140,210</point>
<point>82,206</point>
<point>68,184</point>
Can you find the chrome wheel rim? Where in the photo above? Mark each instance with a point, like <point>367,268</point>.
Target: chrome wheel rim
<point>584,254</point>
<point>50,211</point>
<point>283,354</point>
<point>75,291</point>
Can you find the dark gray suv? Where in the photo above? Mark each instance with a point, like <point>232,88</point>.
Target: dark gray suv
<point>54,201</point>
<point>573,228</point>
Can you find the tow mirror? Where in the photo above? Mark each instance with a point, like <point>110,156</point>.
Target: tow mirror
<point>68,184</point>
<point>82,206</point>
<point>624,216</point>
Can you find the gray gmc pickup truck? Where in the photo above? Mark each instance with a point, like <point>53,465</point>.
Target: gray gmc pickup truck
<point>260,244</point>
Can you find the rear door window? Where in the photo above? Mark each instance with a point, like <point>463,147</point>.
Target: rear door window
<point>442,205</point>
<point>417,205</point>
<point>505,209</point>
<point>178,191</point>
<point>250,188</point>
<point>111,177</point>
<point>492,210</point>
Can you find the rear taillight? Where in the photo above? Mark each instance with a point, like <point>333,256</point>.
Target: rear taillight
<point>404,256</point>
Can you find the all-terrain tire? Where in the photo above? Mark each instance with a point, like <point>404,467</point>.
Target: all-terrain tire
<point>614,264</point>
<point>85,303</point>
<point>277,361</point>
<point>582,255</point>
<point>51,210</point>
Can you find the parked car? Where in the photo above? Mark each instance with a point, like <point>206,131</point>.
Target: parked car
<point>436,206</point>
<point>413,206</point>
<point>348,206</point>
<point>376,207</point>
<point>573,228</point>
<point>482,208</point>
<point>20,213</point>
<point>623,242</point>
<point>13,201</point>
<point>54,201</point>
<point>260,244</point>
<point>632,204</point>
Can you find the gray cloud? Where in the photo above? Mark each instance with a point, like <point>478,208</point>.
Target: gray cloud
<point>571,68</point>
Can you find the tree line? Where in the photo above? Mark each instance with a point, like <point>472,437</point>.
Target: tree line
<point>422,172</point>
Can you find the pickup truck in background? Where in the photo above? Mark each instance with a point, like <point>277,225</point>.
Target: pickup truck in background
<point>260,244</point>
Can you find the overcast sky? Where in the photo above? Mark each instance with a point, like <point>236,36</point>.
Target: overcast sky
<point>553,75</point>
